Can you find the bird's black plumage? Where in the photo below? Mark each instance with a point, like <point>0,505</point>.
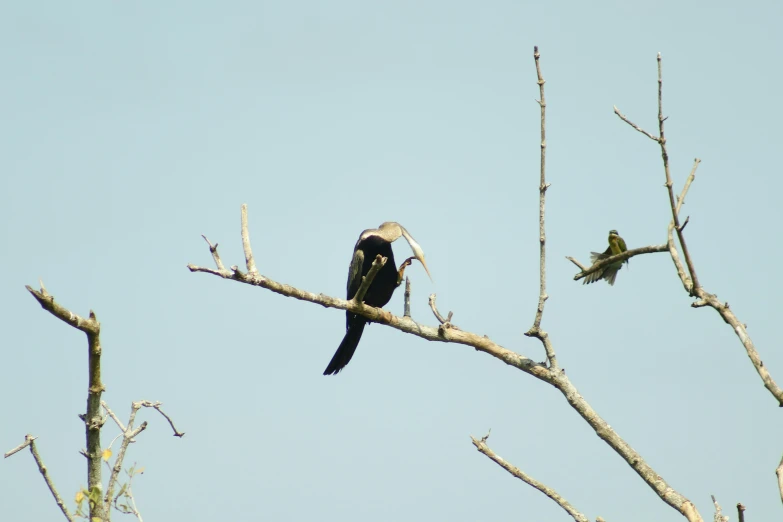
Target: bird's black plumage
<point>371,243</point>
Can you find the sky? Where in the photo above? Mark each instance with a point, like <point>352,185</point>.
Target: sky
<point>131,128</point>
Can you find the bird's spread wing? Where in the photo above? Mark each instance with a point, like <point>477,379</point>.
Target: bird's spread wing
<point>596,256</point>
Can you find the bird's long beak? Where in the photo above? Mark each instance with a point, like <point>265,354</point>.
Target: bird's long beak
<point>417,251</point>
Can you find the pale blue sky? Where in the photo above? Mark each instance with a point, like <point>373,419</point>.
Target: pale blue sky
<point>130,128</point>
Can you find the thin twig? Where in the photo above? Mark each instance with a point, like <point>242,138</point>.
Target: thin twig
<point>28,439</point>
<point>157,407</point>
<point>127,437</point>
<point>719,516</point>
<point>481,445</point>
<point>740,512</point>
<point>367,280</point>
<point>113,416</point>
<point>47,478</point>
<point>249,261</point>
<point>535,330</point>
<point>686,187</point>
<point>632,124</point>
<point>444,322</point>
<point>213,250</point>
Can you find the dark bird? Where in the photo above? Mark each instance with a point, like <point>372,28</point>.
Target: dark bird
<point>609,273</point>
<point>372,242</point>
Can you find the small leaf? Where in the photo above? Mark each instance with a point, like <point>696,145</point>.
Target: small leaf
<point>140,470</point>
<point>106,455</point>
<point>79,497</point>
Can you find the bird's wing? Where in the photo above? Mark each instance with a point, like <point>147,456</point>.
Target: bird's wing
<point>355,273</point>
<point>596,256</point>
<point>610,273</point>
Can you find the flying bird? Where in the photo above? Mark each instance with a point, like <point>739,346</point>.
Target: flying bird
<point>372,242</point>
<point>609,273</point>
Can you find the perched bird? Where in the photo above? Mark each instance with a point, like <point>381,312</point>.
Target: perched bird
<point>609,273</point>
<point>372,242</point>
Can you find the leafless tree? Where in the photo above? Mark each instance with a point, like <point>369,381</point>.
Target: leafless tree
<point>548,371</point>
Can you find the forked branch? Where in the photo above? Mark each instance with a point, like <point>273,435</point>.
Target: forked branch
<point>689,278</point>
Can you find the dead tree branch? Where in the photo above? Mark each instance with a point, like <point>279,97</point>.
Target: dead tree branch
<point>29,440</point>
<point>535,330</point>
<point>481,445</point>
<point>688,278</point>
<point>128,435</point>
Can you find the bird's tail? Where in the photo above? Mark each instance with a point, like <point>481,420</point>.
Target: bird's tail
<point>346,349</point>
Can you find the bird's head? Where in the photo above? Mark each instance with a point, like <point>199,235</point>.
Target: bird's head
<point>392,231</point>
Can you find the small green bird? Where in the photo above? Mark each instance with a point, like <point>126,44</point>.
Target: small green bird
<point>609,273</point>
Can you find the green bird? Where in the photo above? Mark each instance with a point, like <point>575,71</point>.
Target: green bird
<point>609,273</point>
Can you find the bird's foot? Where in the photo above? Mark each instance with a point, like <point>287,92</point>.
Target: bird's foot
<point>401,271</point>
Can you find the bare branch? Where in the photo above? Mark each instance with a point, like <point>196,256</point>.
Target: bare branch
<point>684,277</point>
<point>113,416</point>
<point>48,480</point>
<point>88,326</point>
<point>128,435</point>
<point>669,183</point>
<point>215,255</point>
<point>157,407</point>
<point>740,512</point>
<point>719,516</point>
<point>29,440</point>
<point>444,323</point>
<point>542,188</point>
<point>558,379</point>
<point>686,187</point>
<point>249,261</point>
<point>632,124</point>
<point>367,280</point>
<point>481,445</point>
<point>652,249</point>
<point>689,279</point>
<point>535,330</point>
